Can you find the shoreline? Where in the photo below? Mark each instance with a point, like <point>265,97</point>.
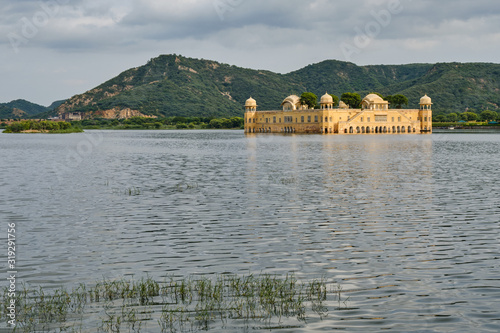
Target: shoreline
<point>469,127</point>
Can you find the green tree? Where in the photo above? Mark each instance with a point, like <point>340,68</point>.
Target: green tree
<point>176,120</point>
<point>452,117</point>
<point>439,118</point>
<point>215,123</point>
<point>309,99</point>
<point>226,123</point>
<point>389,99</point>
<point>16,127</point>
<point>65,126</point>
<point>195,120</point>
<point>237,122</point>
<point>399,100</point>
<point>335,99</point>
<point>26,125</point>
<point>351,99</point>
<point>488,115</point>
<point>469,116</point>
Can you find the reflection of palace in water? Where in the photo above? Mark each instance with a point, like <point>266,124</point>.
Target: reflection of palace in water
<point>373,117</point>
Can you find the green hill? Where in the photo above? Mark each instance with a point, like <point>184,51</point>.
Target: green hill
<point>56,104</point>
<point>20,109</point>
<point>172,85</point>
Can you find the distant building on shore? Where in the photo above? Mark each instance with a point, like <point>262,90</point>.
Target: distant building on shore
<point>72,116</point>
<point>373,117</point>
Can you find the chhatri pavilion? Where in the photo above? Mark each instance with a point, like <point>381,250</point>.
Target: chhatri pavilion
<point>375,116</point>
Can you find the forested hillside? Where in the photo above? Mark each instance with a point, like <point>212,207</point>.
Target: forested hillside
<point>176,86</point>
<point>20,109</point>
<point>172,85</point>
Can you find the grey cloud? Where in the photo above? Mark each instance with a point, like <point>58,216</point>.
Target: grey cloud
<point>324,19</point>
<point>252,33</point>
<point>202,20</point>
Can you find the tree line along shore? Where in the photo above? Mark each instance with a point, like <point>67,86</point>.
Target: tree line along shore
<point>486,119</point>
<point>43,126</point>
<point>135,123</point>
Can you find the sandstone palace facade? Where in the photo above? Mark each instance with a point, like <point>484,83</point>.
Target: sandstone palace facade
<point>373,117</point>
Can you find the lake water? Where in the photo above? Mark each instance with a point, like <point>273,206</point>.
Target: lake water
<point>408,225</point>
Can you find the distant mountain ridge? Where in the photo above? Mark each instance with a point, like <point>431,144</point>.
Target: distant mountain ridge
<point>173,85</point>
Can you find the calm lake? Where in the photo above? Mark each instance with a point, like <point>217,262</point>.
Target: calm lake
<point>407,225</point>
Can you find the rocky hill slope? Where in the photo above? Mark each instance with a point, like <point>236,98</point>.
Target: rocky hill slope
<point>172,85</point>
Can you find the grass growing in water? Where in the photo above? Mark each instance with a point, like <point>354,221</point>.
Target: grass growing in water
<point>131,191</point>
<point>175,305</point>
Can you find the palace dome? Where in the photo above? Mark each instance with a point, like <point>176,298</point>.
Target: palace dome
<point>373,98</point>
<point>426,100</point>
<point>293,99</point>
<point>291,103</point>
<point>326,99</point>
<point>342,105</point>
<point>251,102</point>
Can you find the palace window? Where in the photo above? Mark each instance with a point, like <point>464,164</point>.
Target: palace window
<point>399,119</point>
<point>308,119</point>
<point>361,119</point>
<point>315,119</point>
<point>368,119</point>
<point>267,120</point>
<point>392,119</point>
<point>302,119</point>
<point>331,119</point>
<point>381,118</point>
<point>274,120</point>
<point>425,119</point>
<point>326,119</point>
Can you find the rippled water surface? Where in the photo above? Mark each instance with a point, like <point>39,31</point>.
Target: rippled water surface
<point>407,225</point>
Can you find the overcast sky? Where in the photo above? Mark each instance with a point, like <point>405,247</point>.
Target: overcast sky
<point>54,49</point>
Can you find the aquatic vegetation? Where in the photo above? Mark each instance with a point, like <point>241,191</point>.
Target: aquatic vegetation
<point>132,191</point>
<point>175,305</point>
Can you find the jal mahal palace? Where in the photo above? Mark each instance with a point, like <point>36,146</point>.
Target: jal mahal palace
<point>375,116</point>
